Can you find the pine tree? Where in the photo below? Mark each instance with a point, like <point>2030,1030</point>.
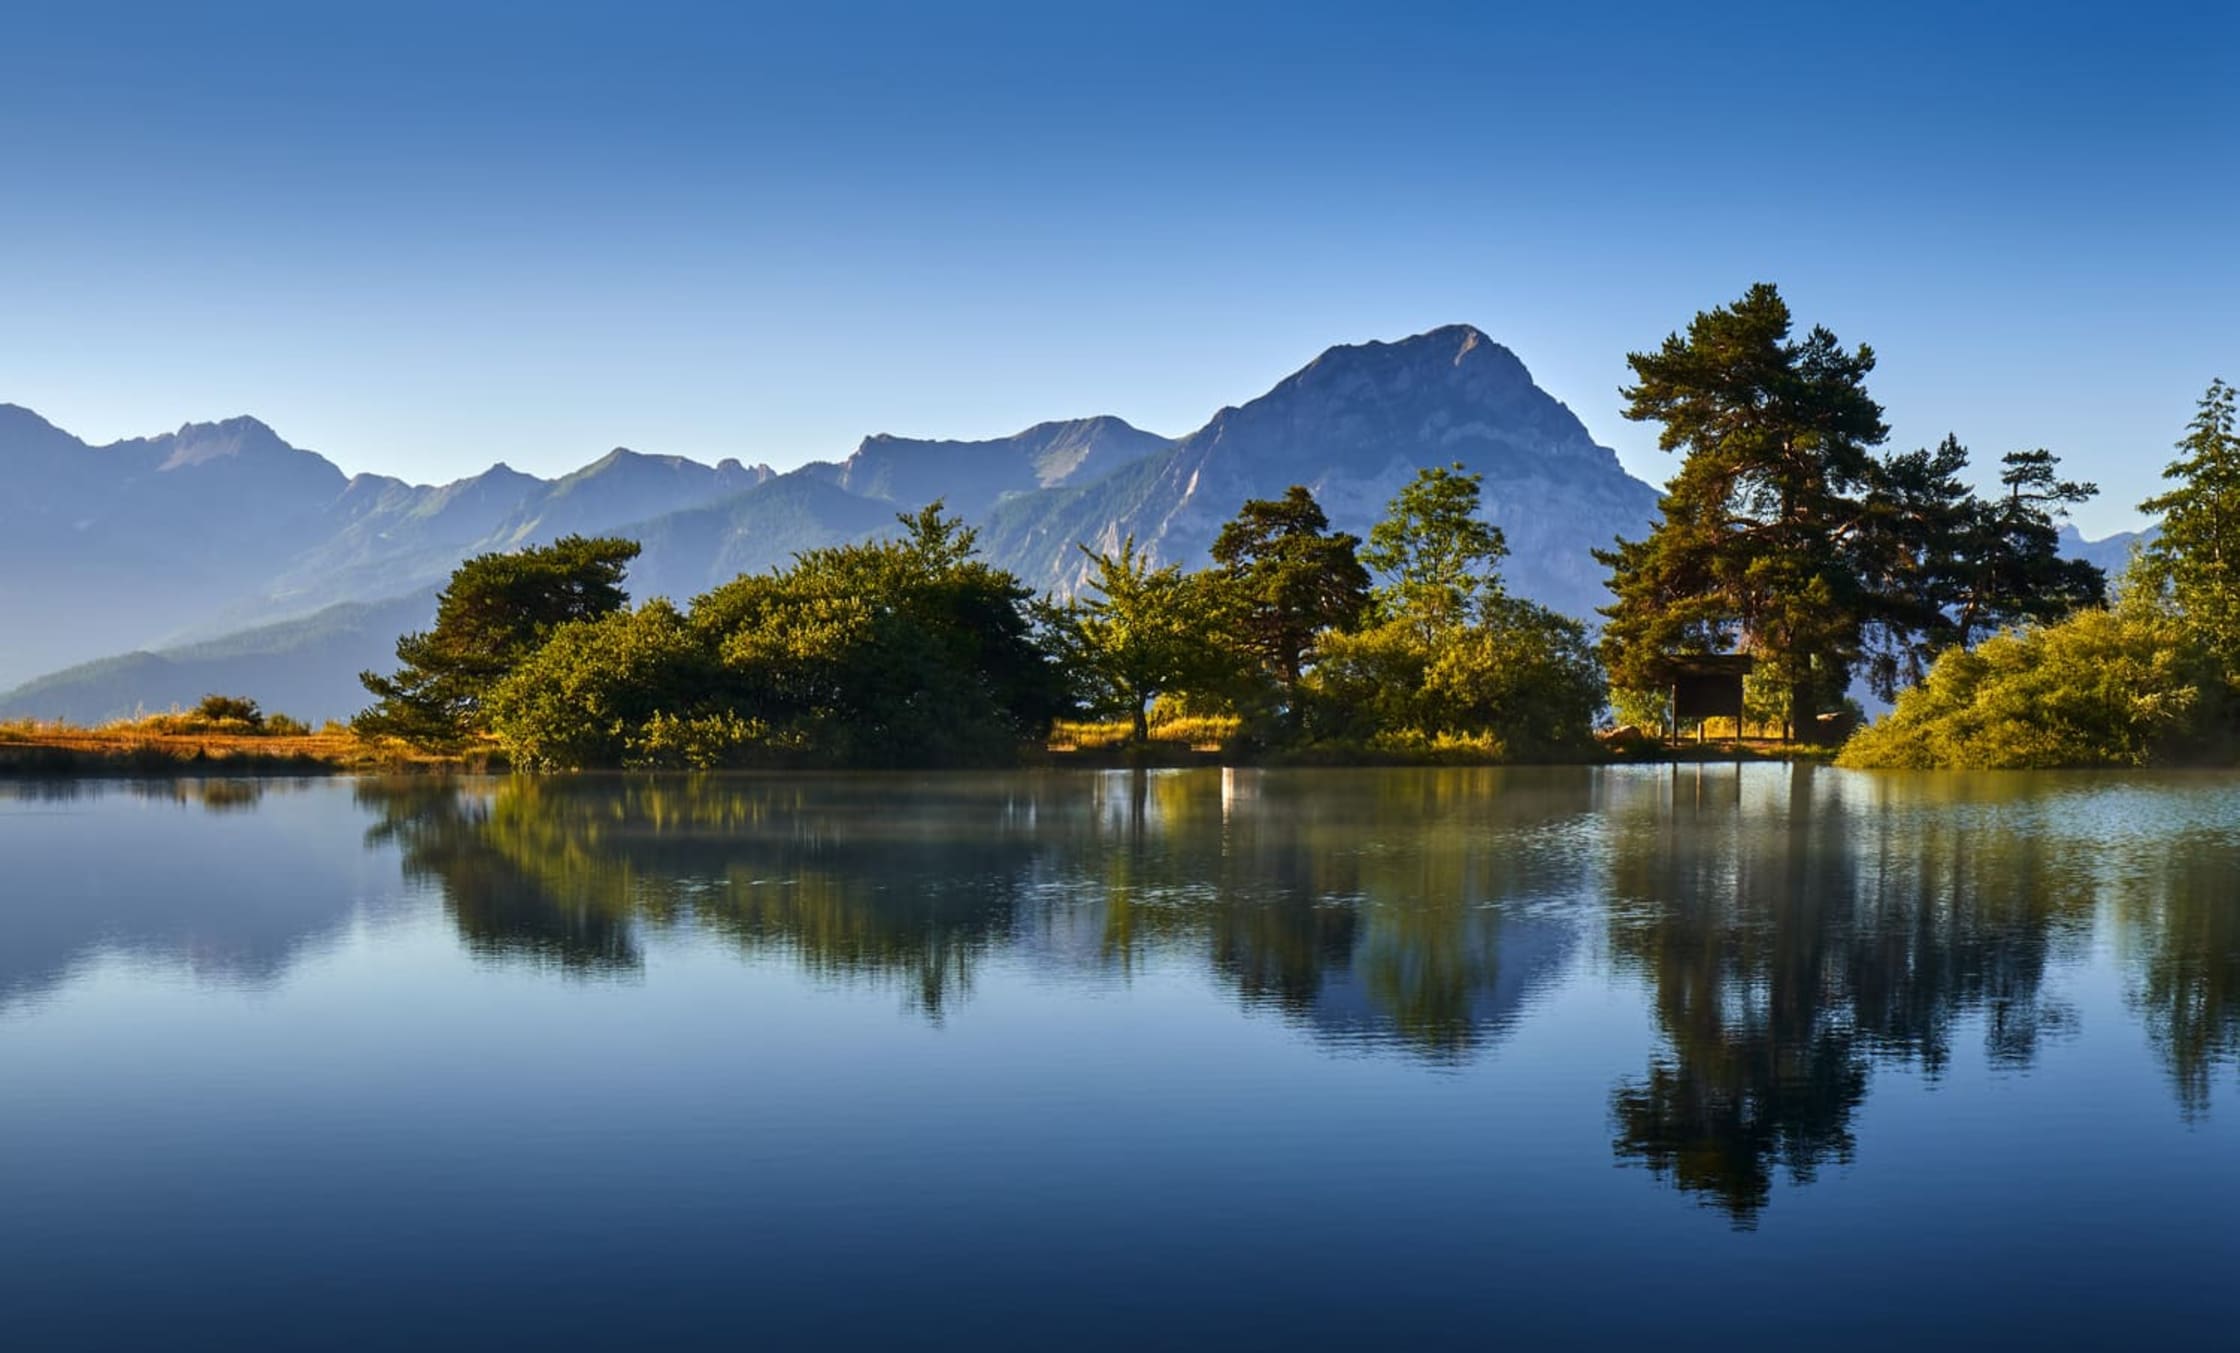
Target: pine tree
<point>1755,547</point>
<point>1289,578</point>
<point>2196,560</point>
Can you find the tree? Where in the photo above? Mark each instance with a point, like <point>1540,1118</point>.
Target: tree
<point>2196,559</point>
<point>1438,557</point>
<point>2018,571</point>
<point>1914,546</point>
<point>1145,632</point>
<point>1754,544</point>
<point>912,651</point>
<point>1941,567</point>
<point>1289,578</point>
<point>1451,658</point>
<point>495,611</point>
<point>602,692</point>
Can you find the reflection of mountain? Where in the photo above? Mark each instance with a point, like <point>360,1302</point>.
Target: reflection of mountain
<point>155,872</point>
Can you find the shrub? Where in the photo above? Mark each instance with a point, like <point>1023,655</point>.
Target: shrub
<point>2121,687</point>
<point>220,710</point>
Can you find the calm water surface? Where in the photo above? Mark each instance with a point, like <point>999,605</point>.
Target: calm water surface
<point>1694,1058</point>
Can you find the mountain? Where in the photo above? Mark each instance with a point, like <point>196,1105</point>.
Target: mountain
<point>113,544</point>
<point>307,668</point>
<point>157,541</point>
<point>2112,553</point>
<point>312,578</point>
<point>1355,425</point>
<point>972,477</point>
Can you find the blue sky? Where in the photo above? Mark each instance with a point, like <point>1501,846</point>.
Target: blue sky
<point>423,238</point>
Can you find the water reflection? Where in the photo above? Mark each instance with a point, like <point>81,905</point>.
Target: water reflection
<point>1360,907</point>
<point>1793,933</point>
<point>1796,931</point>
<point>2181,924</point>
<point>89,868</point>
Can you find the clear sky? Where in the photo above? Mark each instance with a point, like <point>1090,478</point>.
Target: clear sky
<point>422,238</point>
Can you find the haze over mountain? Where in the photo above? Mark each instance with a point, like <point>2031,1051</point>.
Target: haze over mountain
<point>226,559</point>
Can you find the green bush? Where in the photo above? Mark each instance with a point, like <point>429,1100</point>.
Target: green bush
<point>591,691</point>
<point>2120,687</point>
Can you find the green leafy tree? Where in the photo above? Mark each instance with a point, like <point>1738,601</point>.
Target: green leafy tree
<point>912,651</point>
<point>1438,558</point>
<point>1290,578</point>
<point>1142,631</point>
<point>1450,657</point>
<point>2196,559</point>
<point>496,610</point>
<point>603,692</point>
<point>1755,544</point>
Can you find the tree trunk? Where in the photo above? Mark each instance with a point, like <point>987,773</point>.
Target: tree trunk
<point>1804,722</point>
<point>1143,723</point>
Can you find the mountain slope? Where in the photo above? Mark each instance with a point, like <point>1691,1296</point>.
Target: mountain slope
<point>307,668</point>
<point>123,540</point>
<point>2112,553</point>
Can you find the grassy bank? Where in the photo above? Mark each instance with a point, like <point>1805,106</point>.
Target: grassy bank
<point>167,744</point>
<point>174,744</point>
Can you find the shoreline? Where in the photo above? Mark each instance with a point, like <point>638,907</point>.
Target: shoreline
<point>72,753</point>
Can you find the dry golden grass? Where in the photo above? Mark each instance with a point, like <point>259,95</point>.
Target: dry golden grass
<point>172,742</point>
<point>1199,732</point>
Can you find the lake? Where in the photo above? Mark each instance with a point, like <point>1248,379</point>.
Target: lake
<point>1696,1057</point>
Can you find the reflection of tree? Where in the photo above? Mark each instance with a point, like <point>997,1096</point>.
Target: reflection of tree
<point>846,881</point>
<point>1359,906</point>
<point>2181,913</point>
<point>1791,939</point>
<point>1363,905</point>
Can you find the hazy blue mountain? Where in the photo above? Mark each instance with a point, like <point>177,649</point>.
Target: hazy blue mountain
<point>2111,553</point>
<point>307,668</point>
<point>111,546</point>
<point>153,542</point>
<point>399,536</point>
<point>686,553</point>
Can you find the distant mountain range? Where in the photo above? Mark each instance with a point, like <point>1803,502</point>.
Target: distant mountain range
<point>220,558</point>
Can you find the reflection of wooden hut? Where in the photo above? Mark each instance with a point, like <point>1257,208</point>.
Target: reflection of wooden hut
<point>1707,686</point>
